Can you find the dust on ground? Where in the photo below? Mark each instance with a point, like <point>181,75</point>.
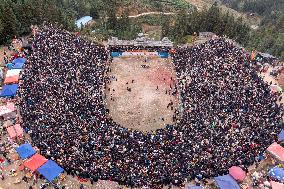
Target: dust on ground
<point>145,107</point>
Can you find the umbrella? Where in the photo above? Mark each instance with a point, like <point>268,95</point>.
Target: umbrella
<point>237,173</point>
<point>277,173</point>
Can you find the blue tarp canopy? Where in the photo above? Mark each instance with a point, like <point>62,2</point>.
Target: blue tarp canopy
<point>9,66</point>
<point>194,187</point>
<point>83,21</point>
<point>25,151</point>
<point>277,173</point>
<point>19,60</point>
<point>18,63</point>
<point>226,182</point>
<point>50,170</point>
<point>281,136</point>
<point>116,54</point>
<point>163,54</point>
<point>9,90</point>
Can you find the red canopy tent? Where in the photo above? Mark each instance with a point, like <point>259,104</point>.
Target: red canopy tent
<point>277,151</point>
<point>12,79</point>
<point>34,162</point>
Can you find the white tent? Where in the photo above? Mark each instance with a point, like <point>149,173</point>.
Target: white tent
<point>13,72</point>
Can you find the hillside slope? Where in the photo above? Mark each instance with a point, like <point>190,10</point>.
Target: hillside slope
<point>200,4</point>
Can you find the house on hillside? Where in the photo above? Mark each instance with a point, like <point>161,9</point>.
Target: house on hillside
<point>83,21</point>
<point>206,34</point>
<point>266,58</point>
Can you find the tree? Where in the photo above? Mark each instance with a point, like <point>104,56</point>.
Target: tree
<point>165,25</point>
<point>1,27</point>
<point>94,13</point>
<point>112,21</point>
<point>9,22</point>
<point>181,26</point>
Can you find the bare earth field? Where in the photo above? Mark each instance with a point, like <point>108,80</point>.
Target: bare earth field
<point>145,106</point>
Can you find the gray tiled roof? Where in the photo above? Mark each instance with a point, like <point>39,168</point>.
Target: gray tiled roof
<point>141,40</point>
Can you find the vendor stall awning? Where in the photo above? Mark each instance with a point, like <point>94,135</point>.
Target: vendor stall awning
<point>19,60</point>
<point>50,170</point>
<point>277,173</point>
<point>9,90</point>
<point>226,182</point>
<point>35,162</point>
<point>8,108</point>
<point>11,79</point>
<point>277,151</point>
<point>281,136</point>
<point>25,151</point>
<point>194,187</point>
<point>18,63</point>
<point>276,185</point>
<point>19,130</point>
<point>12,133</point>
<point>13,72</point>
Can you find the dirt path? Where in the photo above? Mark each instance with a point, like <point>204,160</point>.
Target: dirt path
<point>201,4</point>
<point>148,13</point>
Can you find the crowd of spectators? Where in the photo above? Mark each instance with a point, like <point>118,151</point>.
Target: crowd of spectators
<point>229,114</point>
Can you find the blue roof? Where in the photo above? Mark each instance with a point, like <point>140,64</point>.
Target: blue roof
<point>50,170</point>
<point>9,90</point>
<point>25,151</point>
<point>84,20</point>
<point>226,182</point>
<point>281,136</point>
<point>277,173</point>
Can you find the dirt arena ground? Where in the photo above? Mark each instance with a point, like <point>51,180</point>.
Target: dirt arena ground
<point>145,106</point>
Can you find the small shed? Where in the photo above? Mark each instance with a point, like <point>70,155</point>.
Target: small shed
<point>83,21</point>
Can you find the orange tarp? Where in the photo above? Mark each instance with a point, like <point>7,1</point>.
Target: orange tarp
<point>277,151</point>
<point>253,55</point>
<point>35,162</point>
<point>11,79</point>
<point>19,130</point>
<point>11,131</point>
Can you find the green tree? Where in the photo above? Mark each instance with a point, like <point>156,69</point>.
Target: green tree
<point>94,13</point>
<point>165,22</point>
<point>10,23</point>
